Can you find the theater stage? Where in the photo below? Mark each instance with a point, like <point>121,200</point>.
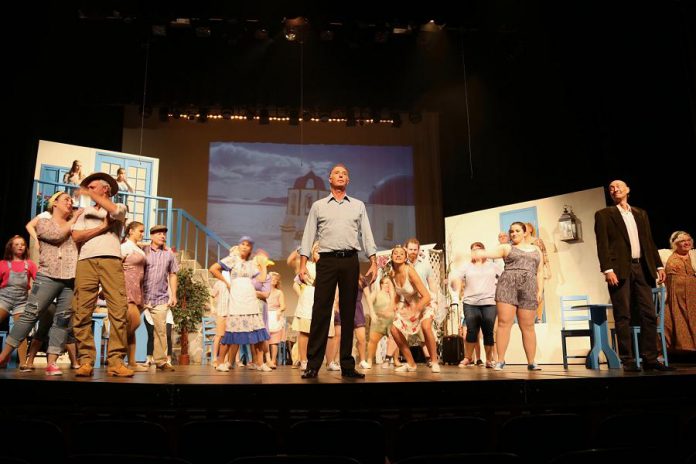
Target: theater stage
<point>473,390</point>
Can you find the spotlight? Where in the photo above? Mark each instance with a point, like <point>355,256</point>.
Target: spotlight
<point>294,28</point>
<point>191,114</point>
<point>263,116</point>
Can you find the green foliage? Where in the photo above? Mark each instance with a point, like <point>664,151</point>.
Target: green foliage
<point>192,301</point>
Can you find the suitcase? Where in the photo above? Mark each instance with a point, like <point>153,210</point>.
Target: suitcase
<point>452,342</point>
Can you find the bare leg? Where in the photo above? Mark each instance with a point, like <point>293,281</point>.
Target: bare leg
<point>133,322</point>
<point>525,319</point>
<point>506,316</point>
<point>71,348</point>
<point>303,340</point>
<point>401,342</point>
<point>34,348</point>
<point>274,355</point>
<point>360,335</point>
<point>427,326</point>
<point>375,337</point>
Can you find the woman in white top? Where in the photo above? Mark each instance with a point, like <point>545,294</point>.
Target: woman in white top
<point>245,325</point>
<point>479,278</point>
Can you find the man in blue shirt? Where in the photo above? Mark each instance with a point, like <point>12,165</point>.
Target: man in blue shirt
<point>336,222</point>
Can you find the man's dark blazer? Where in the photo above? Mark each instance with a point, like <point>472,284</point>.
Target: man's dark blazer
<point>614,247</point>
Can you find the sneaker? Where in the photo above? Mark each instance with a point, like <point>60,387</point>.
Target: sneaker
<point>52,369</point>
<point>166,367</point>
<point>499,366</point>
<point>303,365</point>
<point>120,371</point>
<point>333,366</point>
<point>138,368</point>
<point>386,365</point>
<point>490,364</point>
<point>406,368</point>
<point>435,367</point>
<point>533,367</point>
<point>251,366</point>
<point>466,362</point>
<point>365,365</point>
<point>224,367</point>
<point>479,363</point>
<point>84,370</point>
<point>26,368</point>
<point>264,368</point>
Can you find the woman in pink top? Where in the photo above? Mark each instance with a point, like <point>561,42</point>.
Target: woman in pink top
<point>133,270</point>
<point>16,275</point>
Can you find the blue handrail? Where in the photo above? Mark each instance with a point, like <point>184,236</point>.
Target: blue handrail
<point>200,252</point>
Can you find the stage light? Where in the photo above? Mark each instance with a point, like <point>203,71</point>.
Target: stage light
<point>294,28</point>
<point>264,116</point>
<point>176,113</point>
<point>191,115</point>
<point>226,113</point>
<point>433,26</point>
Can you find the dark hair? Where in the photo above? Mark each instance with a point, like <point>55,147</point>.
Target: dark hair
<point>521,224</point>
<point>9,255</point>
<point>131,225</point>
<point>477,244</point>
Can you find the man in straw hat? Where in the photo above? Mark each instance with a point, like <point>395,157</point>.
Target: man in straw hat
<point>97,233</point>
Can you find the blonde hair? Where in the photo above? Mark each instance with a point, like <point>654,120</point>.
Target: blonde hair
<point>675,235</point>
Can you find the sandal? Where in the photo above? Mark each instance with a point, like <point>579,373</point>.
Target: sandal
<point>26,368</point>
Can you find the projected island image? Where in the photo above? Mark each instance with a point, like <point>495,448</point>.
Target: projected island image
<point>266,190</point>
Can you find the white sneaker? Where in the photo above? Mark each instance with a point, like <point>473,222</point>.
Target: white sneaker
<point>435,367</point>
<point>333,366</point>
<point>303,365</point>
<point>264,368</point>
<point>365,365</point>
<point>385,365</point>
<point>406,368</point>
<point>251,366</point>
<point>224,367</point>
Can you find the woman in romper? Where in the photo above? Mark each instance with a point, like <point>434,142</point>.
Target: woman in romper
<point>518,292</point>
<point>133,270</point>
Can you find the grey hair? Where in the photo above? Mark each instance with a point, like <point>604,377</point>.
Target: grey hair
<point>107,185</point>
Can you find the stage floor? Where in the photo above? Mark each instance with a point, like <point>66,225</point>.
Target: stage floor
<point>286,375</point>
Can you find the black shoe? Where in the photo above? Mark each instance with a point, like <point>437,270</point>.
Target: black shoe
<point>631,367</point>
<point>310,373</point>
<point>352,373</point>
<point>659,367</point>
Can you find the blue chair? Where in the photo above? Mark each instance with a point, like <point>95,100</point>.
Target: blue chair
<point>568,316</point>
<point>658,295</point>
<point>208,327</point>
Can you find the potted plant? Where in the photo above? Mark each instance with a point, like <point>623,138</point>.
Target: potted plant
<point>192,301</point>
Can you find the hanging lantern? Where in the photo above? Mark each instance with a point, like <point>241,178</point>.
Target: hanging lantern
<point>568,225</point>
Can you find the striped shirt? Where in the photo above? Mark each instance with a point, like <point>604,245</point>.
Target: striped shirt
<point>158,265</point>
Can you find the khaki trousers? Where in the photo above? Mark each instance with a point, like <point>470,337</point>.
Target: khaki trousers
<point>90,273</point>
<point>159,321</point>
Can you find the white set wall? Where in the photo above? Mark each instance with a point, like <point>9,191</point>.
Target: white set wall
<point>574,265</point>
